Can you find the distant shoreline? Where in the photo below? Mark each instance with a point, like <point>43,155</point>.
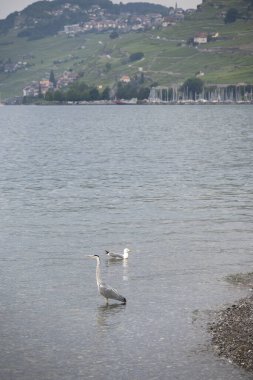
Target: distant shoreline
<point>111,103</point>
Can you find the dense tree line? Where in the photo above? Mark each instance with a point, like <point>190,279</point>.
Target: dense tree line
<point>139,8</point>
<point>8,23</point>
<point>48,28</point>
<point>40,8</point>
<point>78,92</point>
<point>82,92</point>
<point>241,12</point>
<point>128,91</point>
<point>47,25</point>
<point>133,89</point>
<point>193,86</point>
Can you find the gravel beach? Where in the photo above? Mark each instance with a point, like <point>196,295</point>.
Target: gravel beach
<point>232,328</point>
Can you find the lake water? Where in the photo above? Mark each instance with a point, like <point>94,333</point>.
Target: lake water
<point>172,183</point>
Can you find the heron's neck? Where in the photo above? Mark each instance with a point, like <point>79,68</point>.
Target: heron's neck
<point>98,274</point>
<point>125,254</point>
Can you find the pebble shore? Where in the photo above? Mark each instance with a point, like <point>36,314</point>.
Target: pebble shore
<point>232,328</point>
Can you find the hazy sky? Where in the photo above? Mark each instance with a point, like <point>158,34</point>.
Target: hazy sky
<point>9,6</point>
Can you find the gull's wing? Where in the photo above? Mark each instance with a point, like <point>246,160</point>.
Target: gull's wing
<point>114,255</point>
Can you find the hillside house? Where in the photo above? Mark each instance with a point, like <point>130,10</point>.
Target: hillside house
<point>168,21</point>
<point>66,79</point>
<point>31,90</point>
<point>45,85</point>
<point>125,79</point>
<point>72,29</point>
<point>125,22</point>
<point>200,38</point>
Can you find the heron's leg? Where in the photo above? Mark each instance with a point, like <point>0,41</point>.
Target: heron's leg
<point>107,301</point>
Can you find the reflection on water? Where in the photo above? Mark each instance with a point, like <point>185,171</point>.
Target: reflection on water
<point>106,315</point>
<point>112,262</point>
<point>125,269</point>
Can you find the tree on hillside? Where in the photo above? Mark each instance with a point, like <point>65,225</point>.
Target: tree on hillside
<point>114,34</point>
<point>143,93</point>
<point>136,56</point>
<point>108,67</point>
<point>106,94</point>
<point>8,23</point>
<point>52,78</point>
<point>59,96</point>
<point>231,16</point>
<point>93,94</point>
<point>193,86</point>
<point>132,90</point>
<point>40,96</point>
<point>126,91</point>
<point>49,96</point>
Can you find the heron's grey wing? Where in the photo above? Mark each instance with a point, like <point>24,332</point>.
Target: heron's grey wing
<point>108,292</point>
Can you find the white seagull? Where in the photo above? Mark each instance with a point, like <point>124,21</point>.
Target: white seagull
<point>121,256</point>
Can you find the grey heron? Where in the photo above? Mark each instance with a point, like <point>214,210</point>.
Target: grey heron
<point>106,290</point>
<point>123,255</point>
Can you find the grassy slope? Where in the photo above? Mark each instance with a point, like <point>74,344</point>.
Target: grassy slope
<point>166,61</point>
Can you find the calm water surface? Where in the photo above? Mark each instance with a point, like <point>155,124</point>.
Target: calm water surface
<point>174,184</point>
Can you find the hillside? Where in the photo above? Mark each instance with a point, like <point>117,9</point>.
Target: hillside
<point>168,56</point>
<point>44,18</point>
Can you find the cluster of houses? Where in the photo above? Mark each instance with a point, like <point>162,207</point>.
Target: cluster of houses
<point>41,87</point>
<point>67,6</point>
<point>37,88</point>
<point>100,20</point>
